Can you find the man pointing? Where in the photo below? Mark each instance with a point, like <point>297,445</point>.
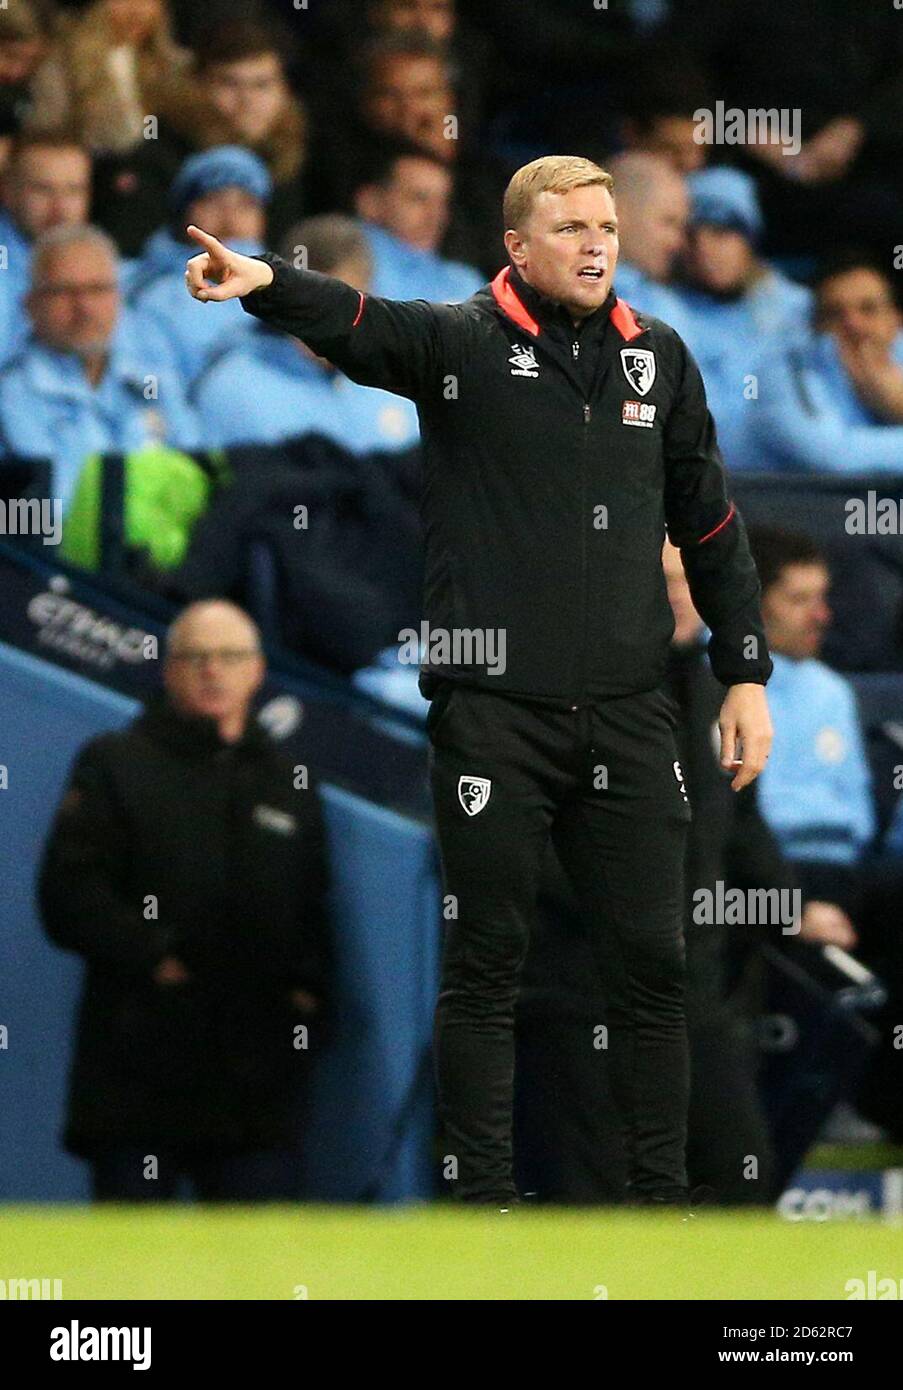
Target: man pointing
<point>563,433</point>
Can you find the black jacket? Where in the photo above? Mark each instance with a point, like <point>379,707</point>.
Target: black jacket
<point>170,842</point>
<point>554,458</point>
<point>354,582</point>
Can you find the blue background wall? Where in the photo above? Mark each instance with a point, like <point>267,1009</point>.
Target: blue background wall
<point>371,1126</point>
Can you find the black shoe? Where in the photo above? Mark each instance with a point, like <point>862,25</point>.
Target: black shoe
<point>500,1201</point>
<point>700,1197</point>
<point>688,1203</point>
<point>667,1197</point>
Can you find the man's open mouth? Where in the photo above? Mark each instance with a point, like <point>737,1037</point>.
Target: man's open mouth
<point>591,272</point>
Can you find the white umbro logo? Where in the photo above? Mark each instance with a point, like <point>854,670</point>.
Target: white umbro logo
<point>473,793</point>
<point>680,780</point>
<point>523,360</point>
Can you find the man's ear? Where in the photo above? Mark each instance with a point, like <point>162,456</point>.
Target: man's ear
<point>515,246</point>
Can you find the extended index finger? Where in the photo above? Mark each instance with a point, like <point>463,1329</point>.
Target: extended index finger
<point>209,242</point>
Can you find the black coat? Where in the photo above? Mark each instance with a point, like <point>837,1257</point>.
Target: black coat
<point>547,484</point>
<point>169,842</point>
<point>348,584</point>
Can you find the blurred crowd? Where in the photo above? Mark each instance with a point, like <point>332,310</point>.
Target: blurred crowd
<point>372,141</point>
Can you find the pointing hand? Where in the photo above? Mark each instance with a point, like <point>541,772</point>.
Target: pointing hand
<point>218,273</point>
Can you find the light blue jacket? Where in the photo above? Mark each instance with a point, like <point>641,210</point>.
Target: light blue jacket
<point>15,276</point>
<point>401,271</point>
<point>15,282</point>
<point>648,296</point>
<point>808,418</point>
<point>49,409</point>
<point>815,791</point>
<point>195,330</point>
<point>728,338</point>
<point>269,389</point>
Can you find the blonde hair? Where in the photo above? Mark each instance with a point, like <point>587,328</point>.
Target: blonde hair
<point>553,173</point>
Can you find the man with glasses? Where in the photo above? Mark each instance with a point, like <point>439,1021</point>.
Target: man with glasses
<point>187,867</point>
<point>90,378</point>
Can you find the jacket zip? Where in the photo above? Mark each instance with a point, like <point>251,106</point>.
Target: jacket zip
<point>581,662</point>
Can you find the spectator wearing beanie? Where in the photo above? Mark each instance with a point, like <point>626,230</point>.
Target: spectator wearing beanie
<point>226,188</point>
<point>741,306</point>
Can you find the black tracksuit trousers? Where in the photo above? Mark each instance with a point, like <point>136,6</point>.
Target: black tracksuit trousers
<point>603,781</point>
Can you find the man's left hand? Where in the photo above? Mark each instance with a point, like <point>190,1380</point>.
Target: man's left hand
<point>746,733</point>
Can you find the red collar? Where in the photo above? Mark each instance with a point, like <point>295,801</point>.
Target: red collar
<point>510,303</point>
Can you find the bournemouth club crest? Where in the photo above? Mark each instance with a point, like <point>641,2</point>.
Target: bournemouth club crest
<point>473,793</point>
<point>639,368</point>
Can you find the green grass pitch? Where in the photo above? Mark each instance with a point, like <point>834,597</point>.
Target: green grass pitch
<point>352,1253</point>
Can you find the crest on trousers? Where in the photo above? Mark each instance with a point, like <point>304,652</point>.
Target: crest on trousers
<point>639,368</point>
<point>473,793</point>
